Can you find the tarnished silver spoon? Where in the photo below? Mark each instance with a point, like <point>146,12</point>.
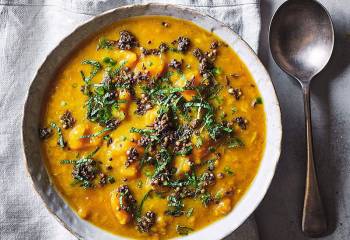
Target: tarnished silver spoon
<point>301,42</point>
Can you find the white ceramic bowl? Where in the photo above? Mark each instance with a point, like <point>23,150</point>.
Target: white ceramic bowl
<point>31,121</point>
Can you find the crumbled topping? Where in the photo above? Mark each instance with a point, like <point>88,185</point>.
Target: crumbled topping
<point>162,124</point>
<point>85,170</point>
<point>198,54</point>
<point>132,155</point>
<point>144,141</point>
<point>143,104</point>
<point>207,179</point>
<point>242,122</point>
<point>67,120</point>
<point>153,51</point>
<point>236,92</point>
<point>205,64</point>
<point>146,222</point>
<point>175,64</point>
<point>183,44</point>
<point>128,202</point>
<point>113,123</point>
<point>163,47</point>
<point>126,41</point>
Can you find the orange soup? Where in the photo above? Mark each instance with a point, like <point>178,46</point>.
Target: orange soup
<point>153,128</point>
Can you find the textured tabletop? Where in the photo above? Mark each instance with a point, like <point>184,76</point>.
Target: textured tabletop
<point>279,216</point>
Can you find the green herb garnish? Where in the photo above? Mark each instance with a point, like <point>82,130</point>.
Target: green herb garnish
<point>110,179</point>
<point>217,71</point>
<point>258,100</point>
<point>189,212</point>
<point>109,61</point>
<point>60,140</point>
<point>235,143</point>
<point>103,43</point>
<point>96,66</point>
<point>97,133</point>
<point>228,171</point>
<point>206,198</point>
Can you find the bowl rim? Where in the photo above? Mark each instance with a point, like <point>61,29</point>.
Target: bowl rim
<point>265,187</point>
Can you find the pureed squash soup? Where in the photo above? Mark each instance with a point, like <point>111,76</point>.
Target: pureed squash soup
<point>153,129</point>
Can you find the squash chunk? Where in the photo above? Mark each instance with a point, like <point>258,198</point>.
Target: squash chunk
<point>130,172</point>
<point>75,141</point>
<point>119,148</point>
<point>129,58</point>
<point>188,94</point>
<point>150,116</point>
<point>124,95</point>
<point>122,216</point>
<point>182,164</point>
<point>162,223</point>
<point>125,98</point>
<point>153,65</point>
<point>223,207</point>
<point>193,76</point>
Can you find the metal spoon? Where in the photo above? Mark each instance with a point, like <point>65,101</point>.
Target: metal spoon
<point>301,42</point>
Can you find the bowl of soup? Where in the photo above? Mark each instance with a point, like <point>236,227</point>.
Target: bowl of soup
<point>152,122</point>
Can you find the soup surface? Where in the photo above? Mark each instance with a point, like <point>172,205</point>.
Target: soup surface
<point>154,128</point>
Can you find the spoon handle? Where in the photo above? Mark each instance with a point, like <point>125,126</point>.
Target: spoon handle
<point>314,223</point>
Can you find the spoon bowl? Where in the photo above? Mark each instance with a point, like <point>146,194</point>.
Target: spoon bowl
<point>301,38</point>
<point>301,42</point>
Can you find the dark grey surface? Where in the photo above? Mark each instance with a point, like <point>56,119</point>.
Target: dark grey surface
<point>279,215</point>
